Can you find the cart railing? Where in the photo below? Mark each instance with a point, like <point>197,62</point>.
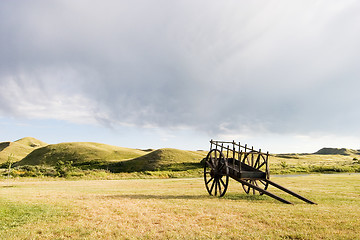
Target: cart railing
<point>243,154</point>
<point>233,143</point>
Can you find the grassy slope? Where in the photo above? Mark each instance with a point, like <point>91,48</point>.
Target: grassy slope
<point>79,153</point>
<point>19,149</point>
<point>163,159</point>
<point>88,155</point>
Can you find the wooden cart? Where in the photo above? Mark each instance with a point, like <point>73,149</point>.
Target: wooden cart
<point>246,165</point>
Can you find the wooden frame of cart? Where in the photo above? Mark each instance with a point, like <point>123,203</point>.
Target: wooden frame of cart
<point>246,165</point>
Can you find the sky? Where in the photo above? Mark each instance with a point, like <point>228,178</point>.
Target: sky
<point>283,76</point>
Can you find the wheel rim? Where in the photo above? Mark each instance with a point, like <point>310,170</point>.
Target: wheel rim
<point>216,175</point>
<point>257,161</point>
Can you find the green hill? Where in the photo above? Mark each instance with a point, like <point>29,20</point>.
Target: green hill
<point>79,153</point>
<point>162,159</point>
<point>338,151</point>
<point>19,149</point>
<point>31,142</point>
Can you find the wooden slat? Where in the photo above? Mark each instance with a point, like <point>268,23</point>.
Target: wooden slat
<point>263,191</point>
<point>288,191</point>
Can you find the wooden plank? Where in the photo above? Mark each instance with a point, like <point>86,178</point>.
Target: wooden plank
<point>263,191</point>
<point>288,191</point>
<point>252,175</point>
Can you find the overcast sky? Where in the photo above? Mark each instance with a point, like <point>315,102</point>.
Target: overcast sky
<point>283,76</point>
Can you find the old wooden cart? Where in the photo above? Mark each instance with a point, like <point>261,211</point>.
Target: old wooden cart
<point>246,165</point>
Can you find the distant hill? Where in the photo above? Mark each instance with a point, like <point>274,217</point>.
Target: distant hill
<point>79,153</point>
<point>162,159</point>
<point>31,142</point>
<point>89,155</point>
<point>338,151</point>
<point>19,149</point>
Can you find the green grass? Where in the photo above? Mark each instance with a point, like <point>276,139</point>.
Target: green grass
<point>182,209</point>
<point>17,214</point>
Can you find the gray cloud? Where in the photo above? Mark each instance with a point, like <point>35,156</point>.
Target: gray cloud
<point>239,66</point>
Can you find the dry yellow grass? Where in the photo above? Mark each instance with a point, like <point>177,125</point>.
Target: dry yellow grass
<point>181,209</point>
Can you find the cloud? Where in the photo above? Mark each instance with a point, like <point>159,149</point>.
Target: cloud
<point>238,66</point>
<point>31,95</point>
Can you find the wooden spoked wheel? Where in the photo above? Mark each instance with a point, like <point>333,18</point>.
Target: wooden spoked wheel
<point>216,173</point>
<point>257,161</point>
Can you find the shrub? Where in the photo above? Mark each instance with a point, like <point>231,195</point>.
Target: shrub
<point>283,164</point>
<point>33,171</point>
<point>63,168</point>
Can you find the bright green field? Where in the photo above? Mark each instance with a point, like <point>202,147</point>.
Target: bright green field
<point>177,209</point>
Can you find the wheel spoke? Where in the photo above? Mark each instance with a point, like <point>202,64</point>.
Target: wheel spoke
<point>244,159</point>
<point>212,186</point>
<point>222,182</point>
<point>216,183</point>
<point>215,163</point>
<point>246,187</point>
<point>219,186</point>
<point>257,162</point>
<point>209,180</point>
<point>254,183</point>
<point>263,182</point>
<point>211,161</point>
<point>262,164</point>
<point>248,160</point>
<point>209,164</point>
<point>222,166</point>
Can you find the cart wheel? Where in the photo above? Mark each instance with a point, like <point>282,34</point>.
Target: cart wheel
<point>216,173</point>
<point>257,161</point>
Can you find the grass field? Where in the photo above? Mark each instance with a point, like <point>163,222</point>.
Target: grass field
<point>313,163</point>
<point>177,209</point>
